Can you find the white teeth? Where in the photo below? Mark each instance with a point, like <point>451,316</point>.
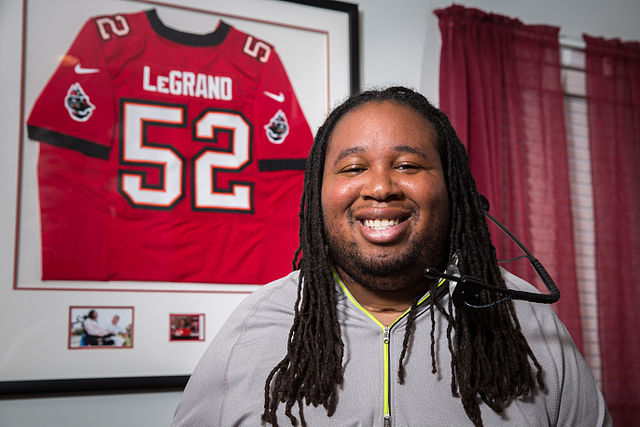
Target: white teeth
<point>379,224</point>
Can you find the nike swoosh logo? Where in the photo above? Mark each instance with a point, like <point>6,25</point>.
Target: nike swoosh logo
<point>80,70</point>
<point>278,98</point>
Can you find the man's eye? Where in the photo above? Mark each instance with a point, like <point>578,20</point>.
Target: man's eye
<point>352,169</point>
<point>407,166</point>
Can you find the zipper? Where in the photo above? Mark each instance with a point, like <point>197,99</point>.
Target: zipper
<point>387,376</point>
<point>385,344</point>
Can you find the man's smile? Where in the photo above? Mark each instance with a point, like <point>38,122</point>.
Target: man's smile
<point>380,224</point>
<point>377,218</point>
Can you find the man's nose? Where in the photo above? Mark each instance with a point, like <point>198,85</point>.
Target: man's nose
<point>380,184</point>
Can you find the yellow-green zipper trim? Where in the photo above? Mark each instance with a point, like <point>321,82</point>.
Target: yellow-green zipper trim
<point>385,341</point>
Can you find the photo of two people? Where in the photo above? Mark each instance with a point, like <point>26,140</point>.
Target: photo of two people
<point>100,327</point>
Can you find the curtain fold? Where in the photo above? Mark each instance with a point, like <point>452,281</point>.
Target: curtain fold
<point>500,85</point>
<point>613,101</point>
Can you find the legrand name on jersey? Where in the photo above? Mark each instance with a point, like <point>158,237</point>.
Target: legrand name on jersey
<point>188,83</point>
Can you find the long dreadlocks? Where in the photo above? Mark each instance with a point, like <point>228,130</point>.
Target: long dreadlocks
<point>490,358</point>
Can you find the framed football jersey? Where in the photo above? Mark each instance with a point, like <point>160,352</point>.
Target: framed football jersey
<point>172,156</point>
<point>168,156</point>
<point>160,148</point>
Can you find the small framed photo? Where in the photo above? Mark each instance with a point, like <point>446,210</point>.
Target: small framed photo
<point>100,327</point>
<point>186,327</point>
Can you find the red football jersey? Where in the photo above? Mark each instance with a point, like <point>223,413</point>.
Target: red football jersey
<point>169,156</point>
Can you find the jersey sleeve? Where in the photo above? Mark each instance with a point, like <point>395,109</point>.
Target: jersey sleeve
<point>283,136</point>
<point>76,109</point>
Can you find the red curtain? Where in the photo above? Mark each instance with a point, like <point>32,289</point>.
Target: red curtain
<point>613,101</point>
<point>500,85</point>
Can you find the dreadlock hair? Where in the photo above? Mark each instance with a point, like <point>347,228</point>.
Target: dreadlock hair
<point>490,358</point>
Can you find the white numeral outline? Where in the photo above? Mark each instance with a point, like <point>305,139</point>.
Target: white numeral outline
<point>109,25</point>
<point>206,194</point>
<point>257,49</point>
<point>135,150</point>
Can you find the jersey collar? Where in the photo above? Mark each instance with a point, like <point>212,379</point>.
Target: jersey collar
<point>202,40</point>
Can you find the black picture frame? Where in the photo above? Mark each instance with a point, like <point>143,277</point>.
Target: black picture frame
<point>13,388</point>
<point>351,9</point>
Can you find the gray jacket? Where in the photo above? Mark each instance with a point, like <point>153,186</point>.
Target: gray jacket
<point>227,386</point>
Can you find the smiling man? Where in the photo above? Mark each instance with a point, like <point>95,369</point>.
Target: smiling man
<point>357,335</point>
<point>385,205</point>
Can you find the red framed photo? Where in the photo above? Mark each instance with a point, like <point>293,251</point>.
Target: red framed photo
<point>186,327</point>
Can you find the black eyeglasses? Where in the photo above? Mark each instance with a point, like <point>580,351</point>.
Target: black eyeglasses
<point>468,288</point>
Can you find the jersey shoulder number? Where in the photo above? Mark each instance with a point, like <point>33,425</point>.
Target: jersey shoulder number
<point>257,49</point>
<point>112,26</point>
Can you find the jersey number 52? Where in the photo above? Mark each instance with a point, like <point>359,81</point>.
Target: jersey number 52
<point>206,195</point>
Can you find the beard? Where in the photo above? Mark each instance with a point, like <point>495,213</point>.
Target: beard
<point>387,271</point>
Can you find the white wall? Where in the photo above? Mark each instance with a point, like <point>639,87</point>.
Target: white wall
<point>400,44</point>
<point>105,410</point>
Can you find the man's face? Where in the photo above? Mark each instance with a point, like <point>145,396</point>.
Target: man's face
<point>384,197</point>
